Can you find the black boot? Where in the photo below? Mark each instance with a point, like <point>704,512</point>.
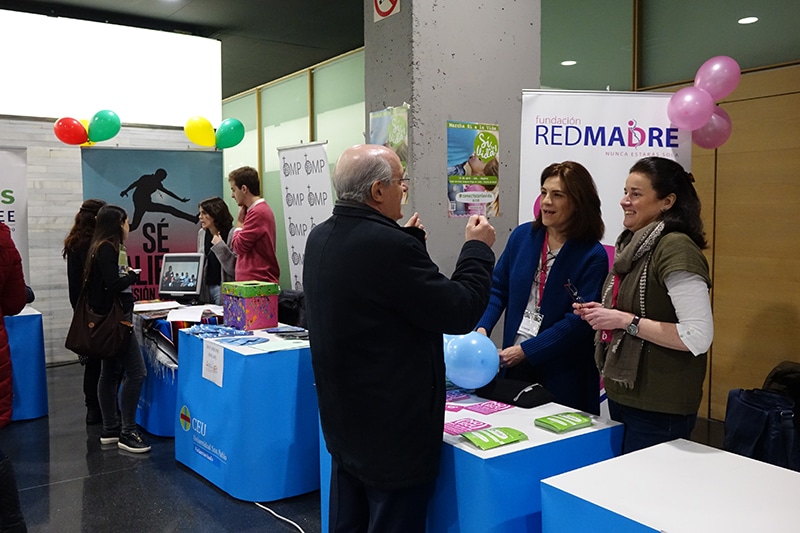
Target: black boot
<point>11,519</point>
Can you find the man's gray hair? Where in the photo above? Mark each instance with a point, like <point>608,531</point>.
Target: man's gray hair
<point>353,176</point>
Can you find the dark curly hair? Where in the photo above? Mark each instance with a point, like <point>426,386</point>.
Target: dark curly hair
<point>82,230</point>
<point>217,209</point>
<point>668,177</point>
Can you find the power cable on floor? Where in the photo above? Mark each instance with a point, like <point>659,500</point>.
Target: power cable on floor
<point>279,517</point>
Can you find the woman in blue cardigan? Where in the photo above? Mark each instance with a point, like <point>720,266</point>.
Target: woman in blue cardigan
<point>544,264</point>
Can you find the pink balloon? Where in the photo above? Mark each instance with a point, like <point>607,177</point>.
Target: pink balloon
<point>718,76</point>
<point>690,108</point>
<point>715,132</point>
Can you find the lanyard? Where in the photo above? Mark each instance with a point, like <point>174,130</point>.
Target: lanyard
<point>543,271</point>
<point>606,334</point>
<point>615,292</point>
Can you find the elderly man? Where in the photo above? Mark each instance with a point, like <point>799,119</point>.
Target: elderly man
<point>377,308</point>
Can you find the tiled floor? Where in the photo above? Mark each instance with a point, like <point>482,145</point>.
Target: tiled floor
<point>67,483</point>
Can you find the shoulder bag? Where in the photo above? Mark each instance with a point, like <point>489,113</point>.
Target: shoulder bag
<point>94,335</point>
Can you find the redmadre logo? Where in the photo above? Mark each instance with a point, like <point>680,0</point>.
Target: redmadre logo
<point>570,131</point>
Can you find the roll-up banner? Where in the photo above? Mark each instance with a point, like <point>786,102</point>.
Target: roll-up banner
<point>607,132</point>
<point>307,198</point>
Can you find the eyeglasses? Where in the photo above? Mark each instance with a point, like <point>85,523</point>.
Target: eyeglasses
<point>401,180</point>
<point>573,292</point>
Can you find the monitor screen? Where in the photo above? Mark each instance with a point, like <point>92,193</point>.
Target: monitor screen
<point>181,276</point>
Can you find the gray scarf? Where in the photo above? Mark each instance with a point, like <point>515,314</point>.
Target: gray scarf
<point>618,360</point>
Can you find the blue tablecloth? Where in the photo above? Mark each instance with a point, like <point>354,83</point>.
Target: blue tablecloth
<point>255,435</point>
<point>497,491</point>
<point>156,408</point>
<point>26,340</point>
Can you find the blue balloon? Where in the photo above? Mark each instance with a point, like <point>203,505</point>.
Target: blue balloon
<point>446,338</point>
<point>471,360</point>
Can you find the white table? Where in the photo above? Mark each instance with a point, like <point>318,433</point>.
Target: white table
<point>679,486</point>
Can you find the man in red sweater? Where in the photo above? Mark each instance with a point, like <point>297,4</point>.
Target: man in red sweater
<point>254,236</point>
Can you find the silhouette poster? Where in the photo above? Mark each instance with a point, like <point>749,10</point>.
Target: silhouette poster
<point>160,190</point>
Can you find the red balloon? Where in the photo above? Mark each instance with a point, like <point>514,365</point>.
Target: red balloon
<point>70,131</point>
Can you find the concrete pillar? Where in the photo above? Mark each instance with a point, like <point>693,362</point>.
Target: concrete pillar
<point>463,60</point>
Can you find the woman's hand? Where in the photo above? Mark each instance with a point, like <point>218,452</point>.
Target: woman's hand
<point>511,356</point>
<point>216,239</point>
<point>599,317</point>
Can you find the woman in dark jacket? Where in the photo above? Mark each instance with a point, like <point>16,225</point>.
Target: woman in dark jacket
<point>76,246</point>
<point>213,240</point>
<point>110,277</point>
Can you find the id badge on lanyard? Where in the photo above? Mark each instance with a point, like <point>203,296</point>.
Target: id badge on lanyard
<point>531,322</point>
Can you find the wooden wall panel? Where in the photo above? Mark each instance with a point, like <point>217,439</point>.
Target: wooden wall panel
<point>756,235</point>
<point>704,170</point>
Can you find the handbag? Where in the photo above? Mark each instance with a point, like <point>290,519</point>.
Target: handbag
<point>94,335</point>
<point>515,392</point>
<point>760,424</point>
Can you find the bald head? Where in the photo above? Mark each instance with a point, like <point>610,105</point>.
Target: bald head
<point>359,167</point>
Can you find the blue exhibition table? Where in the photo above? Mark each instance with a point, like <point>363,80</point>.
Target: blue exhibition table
<point>155,411</point>
<point>498,490</point>
<point>28,365</point>
<point>246,418</point>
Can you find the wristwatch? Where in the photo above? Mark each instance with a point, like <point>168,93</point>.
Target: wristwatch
<point>633,327</point>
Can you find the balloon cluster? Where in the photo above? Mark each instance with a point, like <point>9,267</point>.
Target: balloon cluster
<point>693,108</point>
<point>229,134</point>
<point>471,361</point>
<point>103,126</point>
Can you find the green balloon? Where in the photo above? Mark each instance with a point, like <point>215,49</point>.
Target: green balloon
<point>229,134</point>
<point>103,126</point>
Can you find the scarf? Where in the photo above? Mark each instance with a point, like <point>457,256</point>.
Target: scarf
<point>618,360</point>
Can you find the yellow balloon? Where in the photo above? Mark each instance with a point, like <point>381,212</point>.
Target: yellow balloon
<point>85,122</point>
<point>200,131</point>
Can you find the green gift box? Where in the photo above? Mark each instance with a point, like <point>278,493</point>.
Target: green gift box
<point>249,289</point>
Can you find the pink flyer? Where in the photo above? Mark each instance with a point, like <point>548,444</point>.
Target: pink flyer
<point>462,425</point>
<point>455,395</point>
<point>487,408</point>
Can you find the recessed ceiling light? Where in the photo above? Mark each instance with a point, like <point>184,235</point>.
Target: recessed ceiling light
<point>569,63</point>
<point>748,20</point>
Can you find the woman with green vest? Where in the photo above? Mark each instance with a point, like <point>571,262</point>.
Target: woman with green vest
<point>654,324</point>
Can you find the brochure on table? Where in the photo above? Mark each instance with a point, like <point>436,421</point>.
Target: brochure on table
<point>213,350</point>
<point>513,417</point>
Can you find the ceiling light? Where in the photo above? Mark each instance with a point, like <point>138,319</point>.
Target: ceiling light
<point>569,63</point>
<point>748,20</point>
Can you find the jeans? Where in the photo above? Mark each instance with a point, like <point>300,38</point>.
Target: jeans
<point>214,294</point>
<point>647,428</point>
<point>129,363</point>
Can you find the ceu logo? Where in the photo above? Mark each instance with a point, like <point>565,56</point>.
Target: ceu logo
<point>186,418</point>
<point>187,422</point>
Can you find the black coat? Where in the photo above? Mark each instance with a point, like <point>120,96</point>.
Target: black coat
<point>377,307</point>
